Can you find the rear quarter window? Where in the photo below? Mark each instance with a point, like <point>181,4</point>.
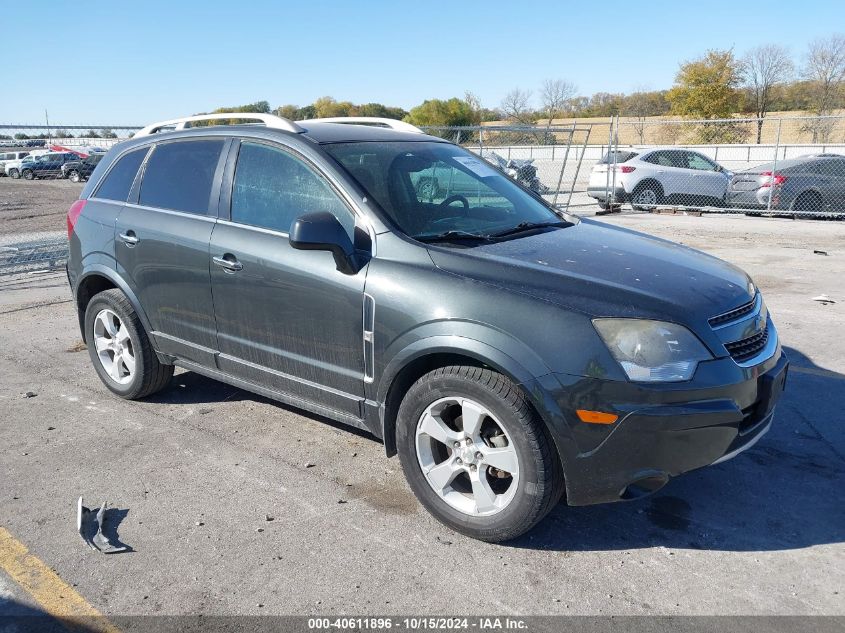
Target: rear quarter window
<point>621,157</point>
<point>119,179</point>
<point>179,175</point>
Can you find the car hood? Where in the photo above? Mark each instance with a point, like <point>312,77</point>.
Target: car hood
<point>602,270</point>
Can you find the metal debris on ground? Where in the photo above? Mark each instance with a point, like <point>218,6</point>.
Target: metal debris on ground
<point>91,524</point>
<point>823,299</point>
<point>820,253</point>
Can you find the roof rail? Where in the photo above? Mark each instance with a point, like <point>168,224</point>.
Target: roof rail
<point>270,120</point>
<point>375,121</point>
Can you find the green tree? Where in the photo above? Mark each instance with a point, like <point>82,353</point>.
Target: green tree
<point>326,107</point>
<point>437,112</point>
<point>287,111</point>
<point>707,88</point>
<point>379,110</point>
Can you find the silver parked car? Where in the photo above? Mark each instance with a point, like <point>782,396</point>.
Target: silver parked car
<point>650,177</point>
<point>807,183</point>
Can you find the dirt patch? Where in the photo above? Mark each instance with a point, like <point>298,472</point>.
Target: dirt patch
<point>35,206</point>
<point>79,346</point>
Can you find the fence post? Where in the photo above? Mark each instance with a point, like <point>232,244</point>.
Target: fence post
<point>481,140</point>
<point>563,165</point>
<point>614,148</point>
<point>774,167</point>
<point>578,167</point>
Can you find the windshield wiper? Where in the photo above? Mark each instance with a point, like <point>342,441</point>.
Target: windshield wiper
<point>529,226</point>
<point>452,236</point>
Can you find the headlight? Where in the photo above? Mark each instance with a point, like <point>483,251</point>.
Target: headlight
<point>652,351</point>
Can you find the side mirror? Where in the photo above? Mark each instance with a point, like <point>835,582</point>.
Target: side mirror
<point>321,231</point>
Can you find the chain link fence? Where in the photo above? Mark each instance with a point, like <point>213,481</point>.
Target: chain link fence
<point>790,166</point>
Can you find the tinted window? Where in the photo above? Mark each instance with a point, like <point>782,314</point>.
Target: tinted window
<point>179,175</point>
<point>273,188</point>
<point>661,158</point>
<point>830,168</point>
<point>617,157</point>
<point>697,161</point>
<point>118,181</point>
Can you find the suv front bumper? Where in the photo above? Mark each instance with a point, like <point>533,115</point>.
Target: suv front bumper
<point>662,433</point>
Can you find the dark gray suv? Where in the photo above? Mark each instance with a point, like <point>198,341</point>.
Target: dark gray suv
<point>509,353</point>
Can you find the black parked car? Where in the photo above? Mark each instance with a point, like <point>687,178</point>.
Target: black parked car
<point>47,165</point>
<point>509,354</point>
<point>79,170</point>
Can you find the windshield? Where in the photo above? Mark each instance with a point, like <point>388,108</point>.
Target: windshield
<point>430,189</point>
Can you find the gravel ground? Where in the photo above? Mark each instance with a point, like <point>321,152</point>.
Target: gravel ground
<point>238,505</point>
<point>30,207</point>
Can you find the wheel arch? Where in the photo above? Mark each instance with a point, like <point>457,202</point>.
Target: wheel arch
<point>97,279</point>
<point>431,353</point>
<point>807,191</point>
<point>648,180</point>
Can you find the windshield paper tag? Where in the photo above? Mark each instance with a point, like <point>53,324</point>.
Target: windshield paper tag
<point>476,166</point>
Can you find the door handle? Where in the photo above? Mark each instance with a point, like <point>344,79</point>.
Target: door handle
<point>228,263</point>
<point>129,238</point>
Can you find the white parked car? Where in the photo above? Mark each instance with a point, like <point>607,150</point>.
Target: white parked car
<point>13,169</point>
<point>6,157</point>
<point>660,175</point>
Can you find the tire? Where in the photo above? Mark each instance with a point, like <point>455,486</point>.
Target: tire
<point>14,173</point>
<point>28,174</point>
<point>522,495</point>
<point>646,195</point>
<point>148,375</point>
<point>807,201</point>
<point>73,176</point>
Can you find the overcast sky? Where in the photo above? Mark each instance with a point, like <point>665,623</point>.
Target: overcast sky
<point>127,63</point>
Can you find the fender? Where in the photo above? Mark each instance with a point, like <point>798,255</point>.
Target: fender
<point>485,343</point>
<point>110,274</point>
<point>519,363</point>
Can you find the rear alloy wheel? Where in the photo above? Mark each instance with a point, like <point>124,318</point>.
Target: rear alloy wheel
<point>646,197</point>
<point>73,176</point>
<point>14,173</point>
<point>28,174</point>
<point>120,349</point>
<point>476,454</point>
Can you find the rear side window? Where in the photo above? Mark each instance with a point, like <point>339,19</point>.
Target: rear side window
<point>179,175</point>
<point>118,181</point>
<point>273,188</point>
<point>620,157</point>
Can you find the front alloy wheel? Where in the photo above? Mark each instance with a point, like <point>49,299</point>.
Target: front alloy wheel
<point>476,454</point>
<point>467,457</point>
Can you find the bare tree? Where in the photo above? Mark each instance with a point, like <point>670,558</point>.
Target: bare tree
<point>554,97</point>
<point>824,65</point>
<point>639,106</point>
<point>765,67</point>
<point>516,106</point>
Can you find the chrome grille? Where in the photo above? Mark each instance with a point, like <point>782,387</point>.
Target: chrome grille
<point>732,315</point>
<point>747,348</point>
